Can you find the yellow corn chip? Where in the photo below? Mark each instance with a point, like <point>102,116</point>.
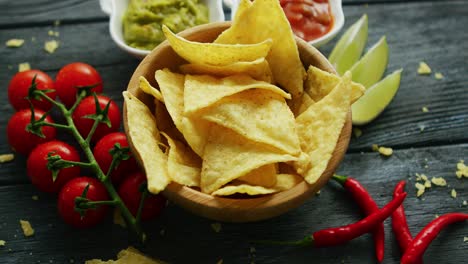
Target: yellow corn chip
<point>264,176</point>
<point>243,189</point>
<point>144,135</point>
<point>146,87</point>
<point>215,53</point>
<point>287,181</point>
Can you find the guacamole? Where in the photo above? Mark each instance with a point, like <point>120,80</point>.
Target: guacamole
<point>143,20</point>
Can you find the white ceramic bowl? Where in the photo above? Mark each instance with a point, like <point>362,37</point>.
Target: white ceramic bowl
<point>116,9</point>
<point>337,12</point>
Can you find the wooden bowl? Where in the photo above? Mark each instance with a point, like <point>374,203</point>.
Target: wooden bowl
<point>225,208</point>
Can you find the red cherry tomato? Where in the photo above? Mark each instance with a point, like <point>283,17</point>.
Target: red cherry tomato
<point>23,141</point>
<point>73,189</point>
<point>19,87</point>
<point>88,107</point>
<point>104,158</point>
<point>74,75</point>
<point>129,192</point>
<point>37,169</point>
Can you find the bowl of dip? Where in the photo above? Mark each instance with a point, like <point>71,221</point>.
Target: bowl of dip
<point>135,25</point>
<point>315,21</point>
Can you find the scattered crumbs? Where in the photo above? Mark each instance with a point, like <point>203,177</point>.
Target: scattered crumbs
<point>24,67</point>
<point>425,109</point>
<point>216,227</point>
<point>53,33</point>
<point>14,43</point>
<point>162,232</point>
<point>118,219</point>
<point>438,76</point>
<point>427,184</point>
<point>57,23</point>
<point>465,239</point>
<point>2,243</point>
<point>6,157</point>
<point>220,261</point>
<point>318,192</point>
<point>462,169</point>
<point>357,132</point>
<point>35,197</point>
<point>385,151</point>
<point>420,189</point>
<point>27,228</point>
<point>465,203</point>
<point>424,177</point>
<point>439,181</point>
<point>424,69</point>
<point>453,193</point>
<point>375,147</point>
<point>50,46</point>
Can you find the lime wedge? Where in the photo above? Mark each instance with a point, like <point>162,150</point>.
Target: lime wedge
<point>375,99</point>
<point>370,68</point>
<point>349,48</point>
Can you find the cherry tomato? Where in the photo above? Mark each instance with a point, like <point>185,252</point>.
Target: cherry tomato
<point>129,192</point>
<point>23,141</point>
<point>37,169</point>
<point>73,189</point>
<point>88,107</point>
<point>74,75</point>
<point>19,87</point>
<point>104,158</point>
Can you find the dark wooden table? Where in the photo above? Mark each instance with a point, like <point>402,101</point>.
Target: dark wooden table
<point>431,31</point>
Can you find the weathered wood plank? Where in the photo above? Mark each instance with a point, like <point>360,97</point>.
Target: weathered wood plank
<point>194,237</point>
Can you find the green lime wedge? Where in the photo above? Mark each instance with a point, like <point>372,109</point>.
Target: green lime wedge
<point>375,99</point>
<point>349,48</point>
<point>370,68</point>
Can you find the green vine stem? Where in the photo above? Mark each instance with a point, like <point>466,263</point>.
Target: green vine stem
<point>133,222</point>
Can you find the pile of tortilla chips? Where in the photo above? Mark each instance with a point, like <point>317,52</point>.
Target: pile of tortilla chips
<point>243,115</point>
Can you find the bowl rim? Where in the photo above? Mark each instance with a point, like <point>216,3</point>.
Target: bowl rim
<point>232,209</point>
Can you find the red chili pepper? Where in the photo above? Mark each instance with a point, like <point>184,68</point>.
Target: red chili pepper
<point>339,235</point>
<point>368,205</point>
<point>399,224</point>
<point>416,248</point>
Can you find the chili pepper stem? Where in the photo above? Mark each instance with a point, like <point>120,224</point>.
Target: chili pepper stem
<point>340,179</point>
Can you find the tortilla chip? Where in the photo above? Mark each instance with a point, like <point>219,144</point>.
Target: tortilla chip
<point>164,121</point>
<point>258,115</point>
<point>255,25</point>
<point>215,53</point>
<point>183,164</point>
<point>193,129</point>
<point>264,176</point>
<point>229,156</point>
<point>301,105</point>
<point>146,87</point>
<point>202,91</point>
<point>287,181</point>
<point>241,8</point>
<point>257,69</point>
<point>242,189</point>
<point>320,83</point>
<point>144,135</point>
<point>319,128</point>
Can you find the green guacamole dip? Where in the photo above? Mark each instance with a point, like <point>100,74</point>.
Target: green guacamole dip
<point>143,20</point>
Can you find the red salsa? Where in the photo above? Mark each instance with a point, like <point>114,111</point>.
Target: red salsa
<point>309,19</point>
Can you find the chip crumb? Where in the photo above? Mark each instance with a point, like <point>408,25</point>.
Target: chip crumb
<point>438,76</point>
<point>375,147</point>
<point>2,243</point>
<point>385,151</point>
<point>7,157</point>
<point>318,192</point>
<point>220,261</point>
<point>420,189</point>
<point>465,239</point>
<point>436,216</point>
<point>462,170</point>
<point>25,66</point>
<point>421,128</point>
<point>50,46</point>
<point>357,132</point>
<point>424,69</point>
<point>53,33</point>
<point>35,197</point>
<point>216,227</point>
<point>465,203</point>
<point>453,193</point>
<point>14,43</point>
<point>427,184</point>
<point>439,181</point>
<point>27,228</point>
<point>425,109</point>
<point>118,219</point>
<point>424,177</point>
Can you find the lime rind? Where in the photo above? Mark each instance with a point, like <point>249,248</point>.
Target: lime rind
<point>376,99</point>
<point>371,67</point>
<point>349,48</point>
